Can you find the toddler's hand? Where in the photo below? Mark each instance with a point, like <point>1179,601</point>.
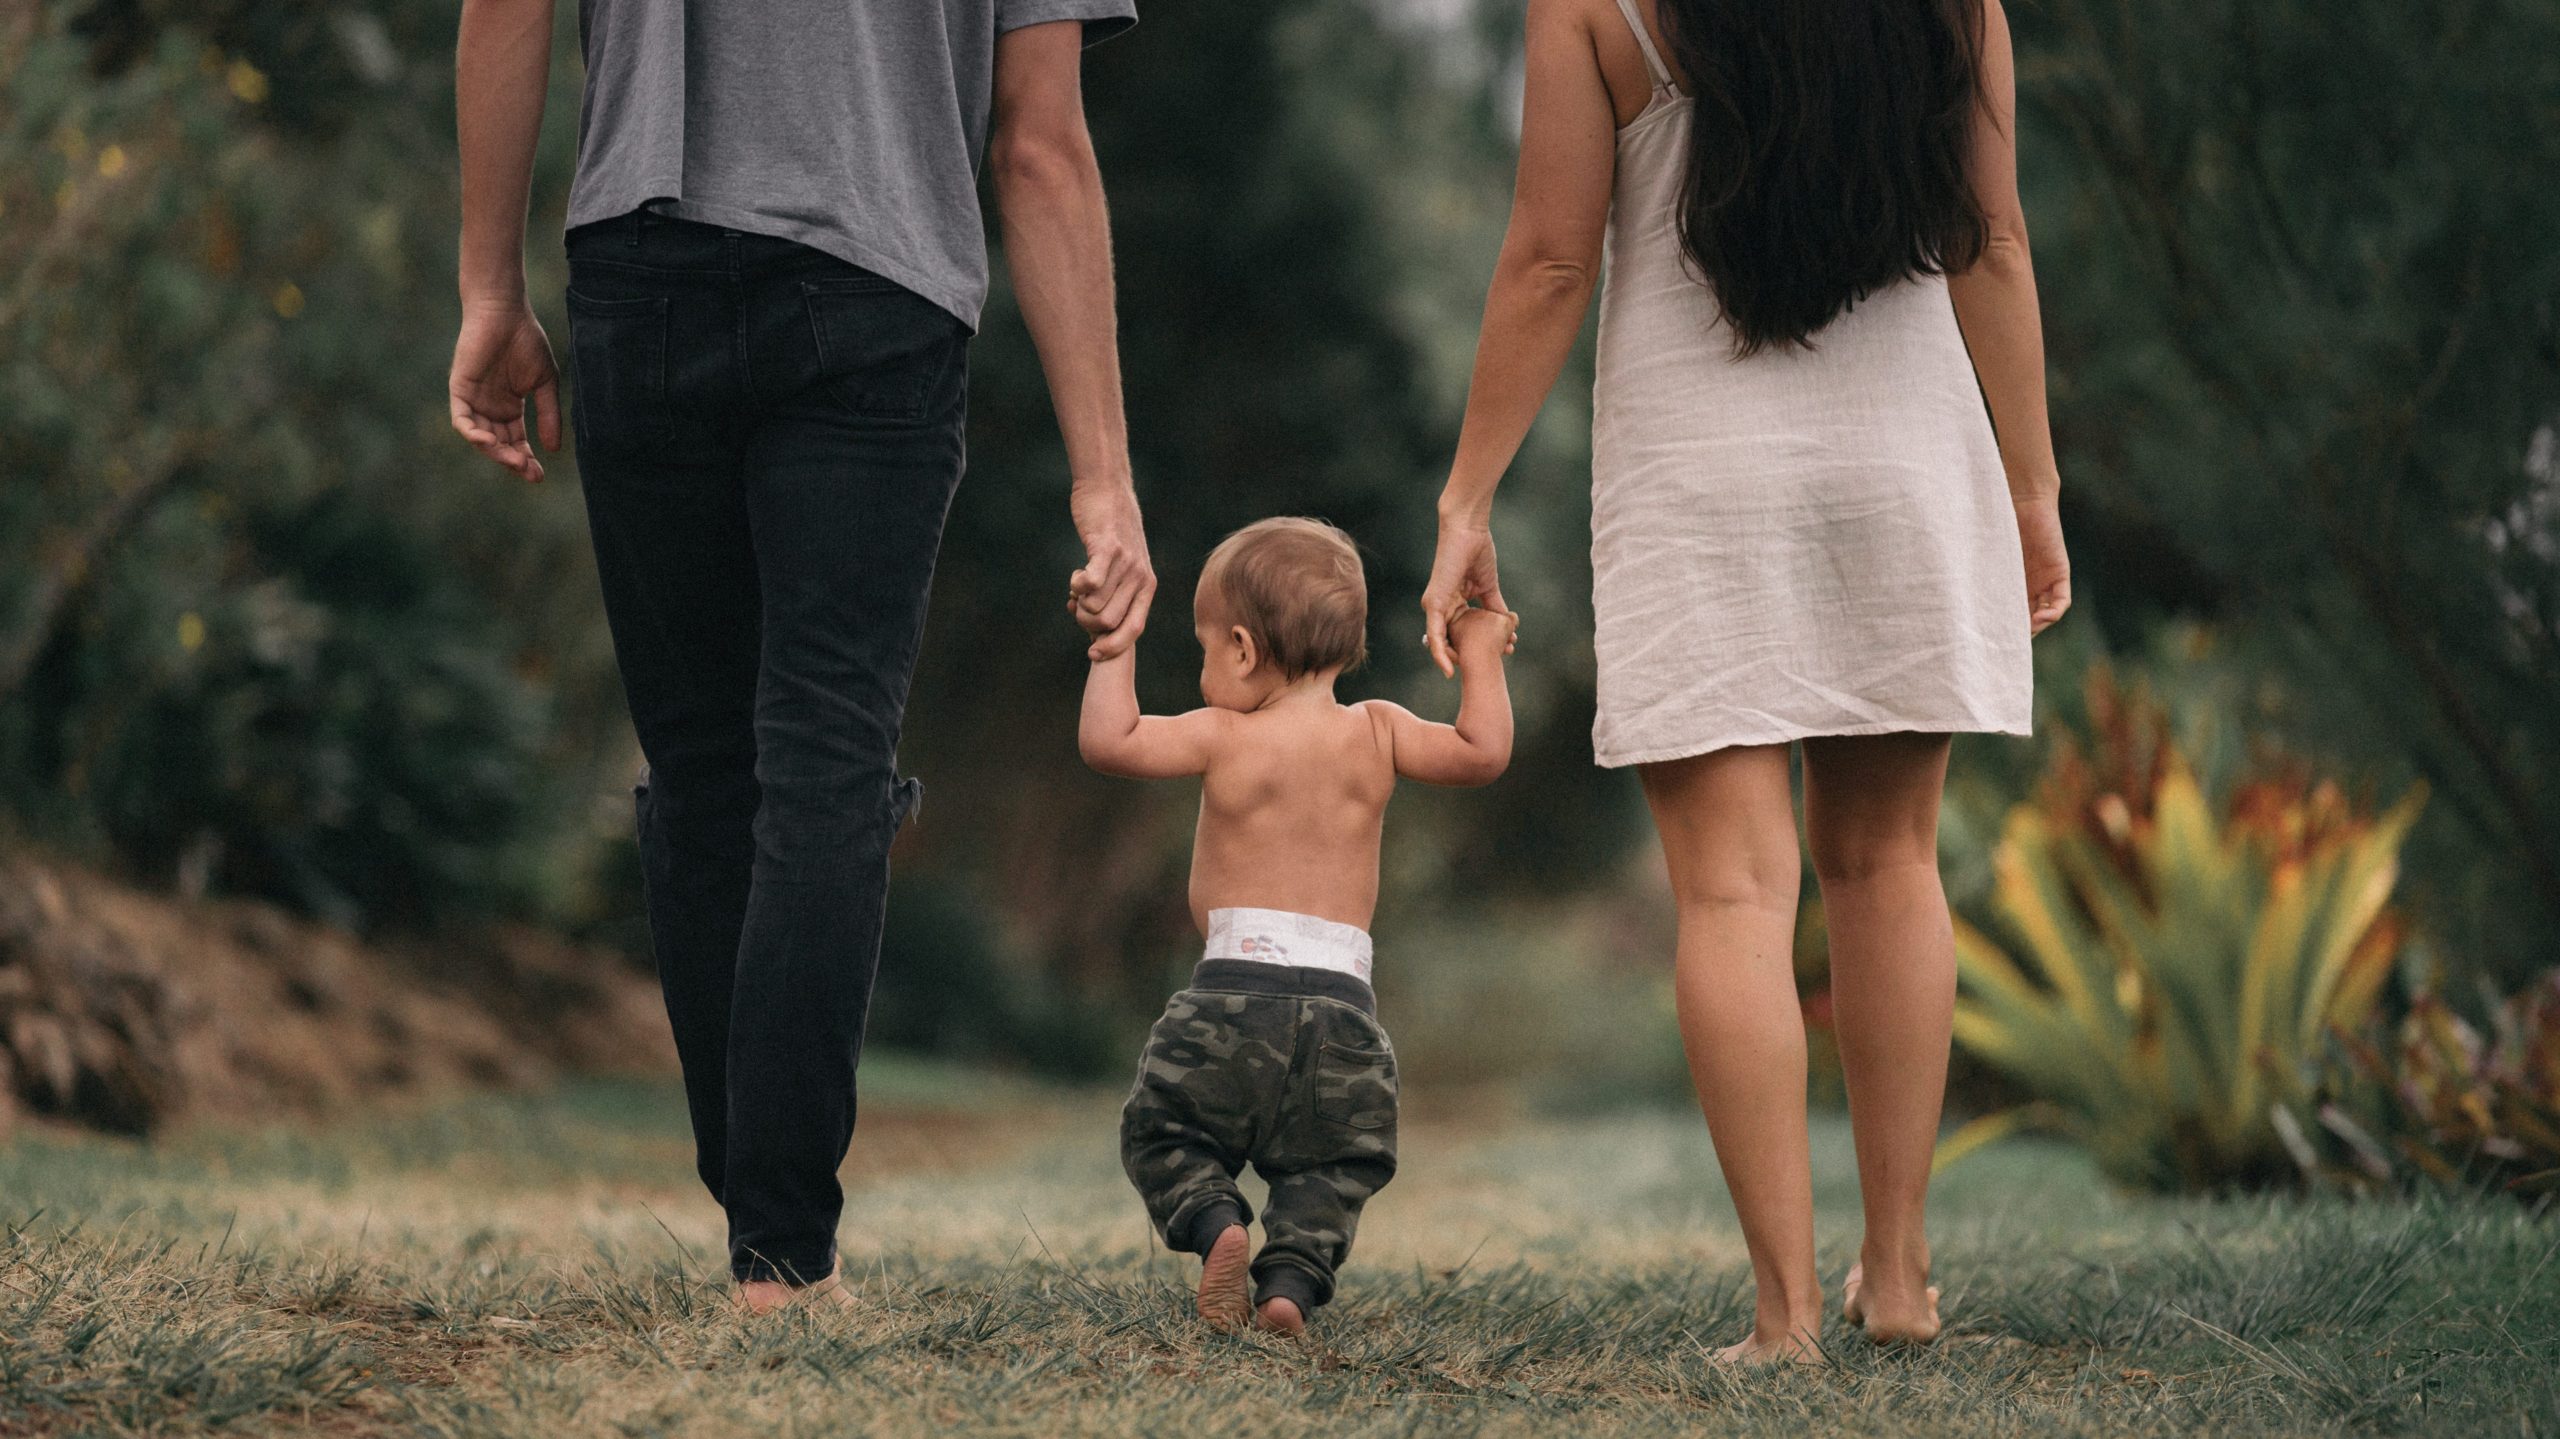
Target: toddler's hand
<point>1087,619</point>
<point>1482,633</point>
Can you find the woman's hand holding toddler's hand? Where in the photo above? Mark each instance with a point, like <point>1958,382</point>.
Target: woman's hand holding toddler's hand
<point>1476,632</point>
<point>1463,570</point>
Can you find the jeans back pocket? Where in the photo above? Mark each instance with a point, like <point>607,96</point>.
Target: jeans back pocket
<point>618,371</point>
<point>883,350</point>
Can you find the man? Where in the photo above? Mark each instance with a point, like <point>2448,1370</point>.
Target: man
<point>776,261</point>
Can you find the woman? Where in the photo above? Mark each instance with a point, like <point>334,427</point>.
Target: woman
<point>1800,530</point>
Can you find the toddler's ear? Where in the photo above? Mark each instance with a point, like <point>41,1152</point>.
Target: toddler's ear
<point>1247,654</point>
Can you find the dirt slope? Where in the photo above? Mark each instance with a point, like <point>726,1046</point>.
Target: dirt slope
<point>124,1011</point>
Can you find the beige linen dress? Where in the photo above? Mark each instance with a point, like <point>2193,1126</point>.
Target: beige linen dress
<point>1805,542</point>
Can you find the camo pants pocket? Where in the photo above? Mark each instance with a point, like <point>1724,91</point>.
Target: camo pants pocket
<point>1355,1077</point>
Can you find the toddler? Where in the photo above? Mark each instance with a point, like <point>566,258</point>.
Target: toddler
<point>1273,1055</point>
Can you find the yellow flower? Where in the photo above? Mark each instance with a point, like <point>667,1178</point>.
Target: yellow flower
<point>288,299</point>
<point>111,161</point>
<point>248,82</point>
<point>191,631</point>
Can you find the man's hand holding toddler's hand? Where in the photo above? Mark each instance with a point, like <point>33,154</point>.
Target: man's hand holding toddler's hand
<point>1081,604</point>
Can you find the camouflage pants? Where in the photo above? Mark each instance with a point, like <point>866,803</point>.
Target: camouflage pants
<point>1286,1069</point>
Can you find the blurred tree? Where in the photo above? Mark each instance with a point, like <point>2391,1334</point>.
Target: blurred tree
<point>2303,294</point>
<point>257,629</point>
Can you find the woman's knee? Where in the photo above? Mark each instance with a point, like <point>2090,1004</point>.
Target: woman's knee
<point>1728,829</point>
<point>1871,805</point>
<point>1723,888</point>
<point>1866,853</point>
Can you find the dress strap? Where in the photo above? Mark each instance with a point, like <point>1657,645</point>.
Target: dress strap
<point>1644,40</point>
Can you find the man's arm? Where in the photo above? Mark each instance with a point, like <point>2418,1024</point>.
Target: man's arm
<point>501,69</point>
<point>1057,241</point>
<point>1116,739</point>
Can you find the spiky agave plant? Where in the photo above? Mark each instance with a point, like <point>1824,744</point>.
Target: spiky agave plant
<point>2173,975</point>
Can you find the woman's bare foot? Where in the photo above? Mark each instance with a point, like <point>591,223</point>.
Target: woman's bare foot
<point>1226,1293</point>
<point>764,1296</point>
<point>1906,1313</point>
<point>1793,1346</point>
<point>1915,1323</point>
<point>1281,1317</point>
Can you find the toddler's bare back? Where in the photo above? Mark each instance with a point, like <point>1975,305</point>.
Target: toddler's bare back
<point>1290,812</point>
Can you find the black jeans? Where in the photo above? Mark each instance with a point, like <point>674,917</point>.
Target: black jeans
<point>769,439</point>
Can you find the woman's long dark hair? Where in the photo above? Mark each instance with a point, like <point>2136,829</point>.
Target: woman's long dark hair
<point>1826,153</point>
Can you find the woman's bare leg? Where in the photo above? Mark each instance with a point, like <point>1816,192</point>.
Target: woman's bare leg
<point>1871,818</point>
<point>1729,834</point>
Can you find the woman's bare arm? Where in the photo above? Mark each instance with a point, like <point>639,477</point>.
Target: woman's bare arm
<point>1541,289</point>
<point>1995,303</point>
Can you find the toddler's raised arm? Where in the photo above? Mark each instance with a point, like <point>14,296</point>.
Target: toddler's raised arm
<point>1477,748</point>
<point>1117,740</point>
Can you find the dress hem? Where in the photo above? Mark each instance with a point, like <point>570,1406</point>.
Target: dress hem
<point>1791,733</point>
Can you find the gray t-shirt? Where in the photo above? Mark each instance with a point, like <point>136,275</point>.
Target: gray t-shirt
<point>852,126</point>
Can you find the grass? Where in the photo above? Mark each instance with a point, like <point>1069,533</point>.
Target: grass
<point>544,1268</point>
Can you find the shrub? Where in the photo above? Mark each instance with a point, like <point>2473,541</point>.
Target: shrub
<point>2176,969</point>
<point>2458,1107</point>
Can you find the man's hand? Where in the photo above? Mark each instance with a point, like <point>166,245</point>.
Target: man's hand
<point>1110,596</point>
<point>500,361</point>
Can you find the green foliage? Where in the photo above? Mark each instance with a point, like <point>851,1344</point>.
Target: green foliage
<point>2178,972</point>
<point>259,627</point>
<point>2308,382</point>
<point>950,985</point>
<point>346,734</point>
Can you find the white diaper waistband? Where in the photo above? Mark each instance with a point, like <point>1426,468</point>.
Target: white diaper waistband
<point>1277,936</point>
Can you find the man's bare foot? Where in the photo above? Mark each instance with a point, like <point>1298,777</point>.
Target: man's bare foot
<point>1281,1317</point>
<point>1890,1317</point>
<point>1226,1286</point>
<point>765,1296</point>
<point>1794,1346</point>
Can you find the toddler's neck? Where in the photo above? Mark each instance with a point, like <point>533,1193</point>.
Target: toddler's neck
<point>1306,691</point>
